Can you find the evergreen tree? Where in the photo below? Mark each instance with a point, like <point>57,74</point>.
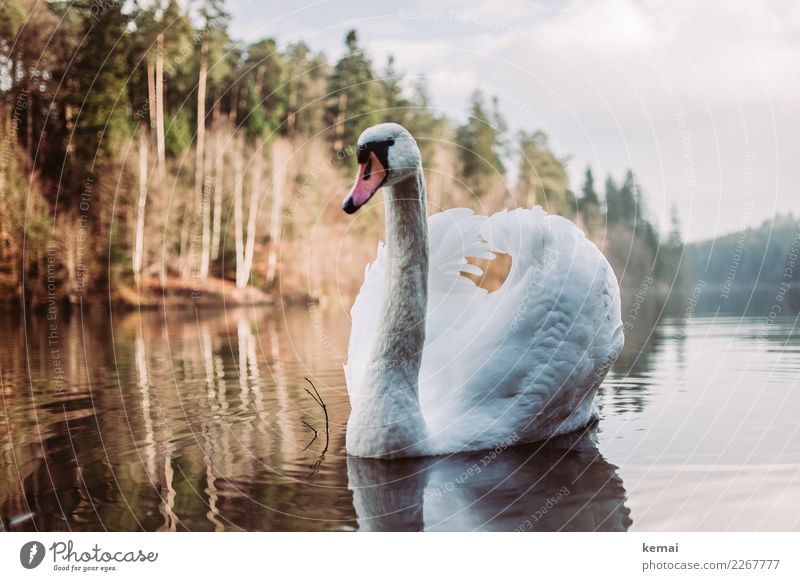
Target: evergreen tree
<point>614,214</point>
<point>422,122</point>
<point>104,113</point>
<point>479,154</point>
<point>355,96</point>
<point>628,198</point>
<point>591,213</point>
<point>307,75</point>
<point>266,94</point>
<point>391,83</point>
<point>542,176</point>
<point>671,253</point>
<point>588,191</point>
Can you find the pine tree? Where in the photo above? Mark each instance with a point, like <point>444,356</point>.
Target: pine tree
<point>102,67</point>
<point>479,153</point>
<point>591,213</point>
<point>307,76</point>
<point>588,191</point>
<point>614,214</point>
<point>266,89</point>
<point>355,101</point>
<point>629,198</point>
<point>422,121</point>
<point>393,100</point>
<point>542,176</point>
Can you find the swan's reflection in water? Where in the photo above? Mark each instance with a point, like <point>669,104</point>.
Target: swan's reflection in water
<point>561,485</point>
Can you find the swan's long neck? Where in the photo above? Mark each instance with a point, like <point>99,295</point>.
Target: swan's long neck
<point>406,284</point>
<point>388,414</point>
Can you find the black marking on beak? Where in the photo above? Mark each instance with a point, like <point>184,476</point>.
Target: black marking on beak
<point>349,206</point>
<point>381,149</point>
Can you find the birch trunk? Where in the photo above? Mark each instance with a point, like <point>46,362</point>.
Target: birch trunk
<point>238,229</point>
<point>200,161</point>
<point>151,96</point>
<point>160,147</point>
<point>280,160</point>
<point>219,164</point>
<point>138,244</point>
<point>255,190</point>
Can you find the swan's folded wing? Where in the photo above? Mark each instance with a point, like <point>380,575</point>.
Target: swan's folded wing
<point>365,320</point>
<point>454,236</point>
<point>534,348</point>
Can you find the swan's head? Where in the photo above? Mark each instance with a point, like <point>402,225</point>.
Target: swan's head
<point>387,155</point>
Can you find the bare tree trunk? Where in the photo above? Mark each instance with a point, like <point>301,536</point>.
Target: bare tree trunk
<point>219,164</point>
<point>138,244</point>
<point>280,160</point>
<point>199,162</point>
<point>161,155</point>
<point>151,96</point>
<point>255,190</point>
<point>238,227</point>
<point>160,147</point>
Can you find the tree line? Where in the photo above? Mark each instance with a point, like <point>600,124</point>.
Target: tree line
<point>146,148</point>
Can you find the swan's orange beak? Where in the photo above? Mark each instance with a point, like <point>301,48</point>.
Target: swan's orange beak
<point>370,177</point>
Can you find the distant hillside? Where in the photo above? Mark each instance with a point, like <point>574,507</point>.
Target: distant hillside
<point>748,270</point>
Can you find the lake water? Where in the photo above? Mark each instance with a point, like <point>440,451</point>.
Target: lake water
<point>195,421</point>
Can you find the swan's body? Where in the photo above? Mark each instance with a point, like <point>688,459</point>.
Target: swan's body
<point>438,365</point>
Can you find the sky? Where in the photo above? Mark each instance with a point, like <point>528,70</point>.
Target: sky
<point>701,99</point>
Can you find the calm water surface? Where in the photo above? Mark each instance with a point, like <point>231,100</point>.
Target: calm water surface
<point>200,421</point>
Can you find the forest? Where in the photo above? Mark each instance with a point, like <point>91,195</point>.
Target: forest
<point>754,270</point>
<point>146,154</point>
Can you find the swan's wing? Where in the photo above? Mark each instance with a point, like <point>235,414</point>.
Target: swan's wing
<point>365,320</point>
<point>453,236</point>
<point>531,352</point>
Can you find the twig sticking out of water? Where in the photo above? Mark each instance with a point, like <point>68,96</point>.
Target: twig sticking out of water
<point>314,439</point>
<point>321,402</point>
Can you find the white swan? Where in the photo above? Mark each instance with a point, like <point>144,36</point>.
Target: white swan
<point>438,365</point>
